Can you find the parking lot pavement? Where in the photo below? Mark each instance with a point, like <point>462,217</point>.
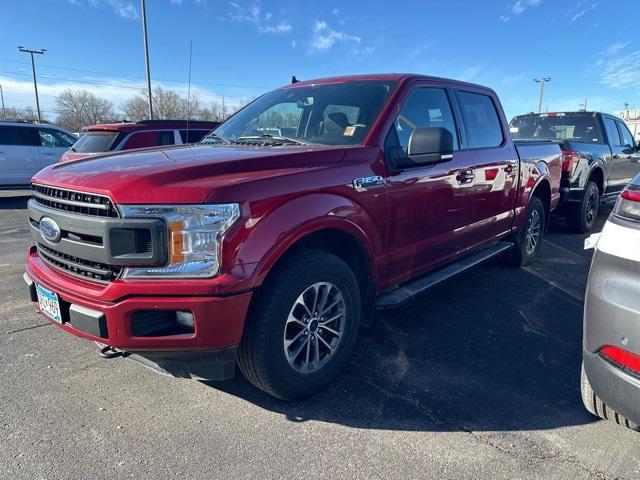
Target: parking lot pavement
<point>478,378</point>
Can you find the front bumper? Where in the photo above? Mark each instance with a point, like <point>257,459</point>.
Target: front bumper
<point>612,317</point>
<point>217,330</point>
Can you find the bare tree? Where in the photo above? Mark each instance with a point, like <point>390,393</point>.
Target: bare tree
<point>79,108</point>
<point>28,113</point>
<point>166,105</point>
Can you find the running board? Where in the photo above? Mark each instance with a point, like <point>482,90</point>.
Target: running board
<point>403,294</point>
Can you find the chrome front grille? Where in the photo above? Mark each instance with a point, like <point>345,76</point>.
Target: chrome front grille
<point>78,267</point>
<point>74,202</point>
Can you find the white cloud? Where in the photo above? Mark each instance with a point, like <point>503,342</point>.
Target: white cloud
<point>615,48</point>
<point>324,37</point>
<point>521,5</point>
<point>124,10</point>
<point>504,18</point>
<point>263,22</point>
<point>176,2</point>
<point>622,71</point>
<point>578,15</point>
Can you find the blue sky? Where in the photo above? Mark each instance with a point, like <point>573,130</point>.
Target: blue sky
<point>243,48</point>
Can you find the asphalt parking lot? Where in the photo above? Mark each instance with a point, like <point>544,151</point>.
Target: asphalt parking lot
<point>479,378</point>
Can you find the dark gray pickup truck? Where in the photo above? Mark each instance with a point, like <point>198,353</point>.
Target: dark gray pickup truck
<point>599,158</point>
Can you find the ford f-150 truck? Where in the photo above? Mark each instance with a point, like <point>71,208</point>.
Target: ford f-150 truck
<point>599,158</point>
<point>270,243</point>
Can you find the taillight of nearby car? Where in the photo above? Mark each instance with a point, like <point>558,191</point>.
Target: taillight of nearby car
<point>628,204</point>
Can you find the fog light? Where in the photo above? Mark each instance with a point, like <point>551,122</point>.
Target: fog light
<point>161,323</point>
<point>185,319</point>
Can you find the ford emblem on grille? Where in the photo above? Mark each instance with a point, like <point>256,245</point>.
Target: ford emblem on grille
<point>49,230</point>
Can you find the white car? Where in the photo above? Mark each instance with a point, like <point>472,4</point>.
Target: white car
<point>611,344</point>
<point>26,148</point>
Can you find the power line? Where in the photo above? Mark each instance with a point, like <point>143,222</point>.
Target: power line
<point>120,85</point>
<point>138,77</point>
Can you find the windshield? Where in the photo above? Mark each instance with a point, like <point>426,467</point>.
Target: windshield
<point>92,142</point>
<point>560,126</point>
<point>330,114</point>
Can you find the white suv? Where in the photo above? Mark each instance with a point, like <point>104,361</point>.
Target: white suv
<point>26,148</point>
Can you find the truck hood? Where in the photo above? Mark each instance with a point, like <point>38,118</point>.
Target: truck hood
<point>185,174</point>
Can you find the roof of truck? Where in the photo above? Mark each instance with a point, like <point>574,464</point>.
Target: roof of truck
<point>150,125</point>
<point>380,77</point>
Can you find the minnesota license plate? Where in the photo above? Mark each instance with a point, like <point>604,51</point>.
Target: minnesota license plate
<point>49,303</point>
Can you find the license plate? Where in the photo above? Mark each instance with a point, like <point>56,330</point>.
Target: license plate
<point>49,303</point>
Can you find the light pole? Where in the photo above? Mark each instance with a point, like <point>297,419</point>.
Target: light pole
<point>33,68</point>
<point>4,112</point>
<point>541,81</point>
<point>146,57</point>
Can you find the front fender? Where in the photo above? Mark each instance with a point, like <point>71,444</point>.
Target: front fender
<point>270,236</point>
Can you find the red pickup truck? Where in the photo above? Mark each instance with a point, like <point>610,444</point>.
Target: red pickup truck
<point>270,243</point>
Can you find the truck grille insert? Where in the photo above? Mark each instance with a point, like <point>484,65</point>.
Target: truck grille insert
<point>78,267</point>
<point>75,202</point>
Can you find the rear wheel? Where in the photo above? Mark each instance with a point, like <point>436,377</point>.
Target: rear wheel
<point>529,240</point>
<point>302,326</point>
<point>597,407</point>
<point>582,216</point>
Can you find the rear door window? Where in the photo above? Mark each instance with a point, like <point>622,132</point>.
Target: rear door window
<point>481,121</point>
<point>577,127</point>
<point>23,136</point>
<point>141,140</point>
<point>612,132</point>
<point>166,137</point>
<point>94,142</point>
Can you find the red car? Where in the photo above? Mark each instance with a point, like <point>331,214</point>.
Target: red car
<point>272,241</point>
<point>113,137</point>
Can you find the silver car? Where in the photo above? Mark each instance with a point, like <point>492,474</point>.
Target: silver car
<point>26,148</point>
<point>611,345</point>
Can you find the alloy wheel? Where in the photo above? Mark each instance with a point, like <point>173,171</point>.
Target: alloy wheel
<point>315,327</point>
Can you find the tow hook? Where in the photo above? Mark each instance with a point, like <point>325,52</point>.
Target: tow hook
<point>110,352</point>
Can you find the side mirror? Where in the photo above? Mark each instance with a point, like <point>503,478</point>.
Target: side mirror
<point>430,145</point>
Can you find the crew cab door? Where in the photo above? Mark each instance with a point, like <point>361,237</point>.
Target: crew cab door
<point>625,157</point>
<point>53,143</point>
<point>429,204</point>
<point>496,165</point>
<point>19,156</point>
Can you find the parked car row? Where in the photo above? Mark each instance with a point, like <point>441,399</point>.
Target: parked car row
<point>271,242</point>
<point>26,148</point>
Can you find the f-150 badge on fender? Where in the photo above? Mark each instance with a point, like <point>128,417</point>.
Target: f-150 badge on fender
<point>361,184</point>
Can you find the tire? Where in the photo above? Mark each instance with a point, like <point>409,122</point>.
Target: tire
<point>582,216</point>
<point>523,253</point>
<point>279,314</point>
<point>597,407</point>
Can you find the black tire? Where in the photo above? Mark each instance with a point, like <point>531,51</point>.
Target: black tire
<point>521,254</point>
<point>581,217</point>
<point>597,407</point>
<point>261,356</point>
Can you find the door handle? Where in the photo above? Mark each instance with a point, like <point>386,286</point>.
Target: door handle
<point>465,176</point>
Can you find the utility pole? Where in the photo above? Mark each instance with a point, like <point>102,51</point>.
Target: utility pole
<point>33,68</point>
<point>584,105</point>
<point>541,81</point>
<point>146,57</point>
<point>4,112</point>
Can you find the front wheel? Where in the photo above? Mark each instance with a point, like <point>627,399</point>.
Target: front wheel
<point>302,326</point>
<point>529,240</point>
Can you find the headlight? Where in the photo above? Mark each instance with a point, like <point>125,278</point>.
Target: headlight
<point>193,238</point>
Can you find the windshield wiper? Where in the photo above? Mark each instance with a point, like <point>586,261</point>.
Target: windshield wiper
<point>212,137</point>
<point>271,139</point>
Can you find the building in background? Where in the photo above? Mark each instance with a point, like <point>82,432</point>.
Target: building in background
<point>631,116</point>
